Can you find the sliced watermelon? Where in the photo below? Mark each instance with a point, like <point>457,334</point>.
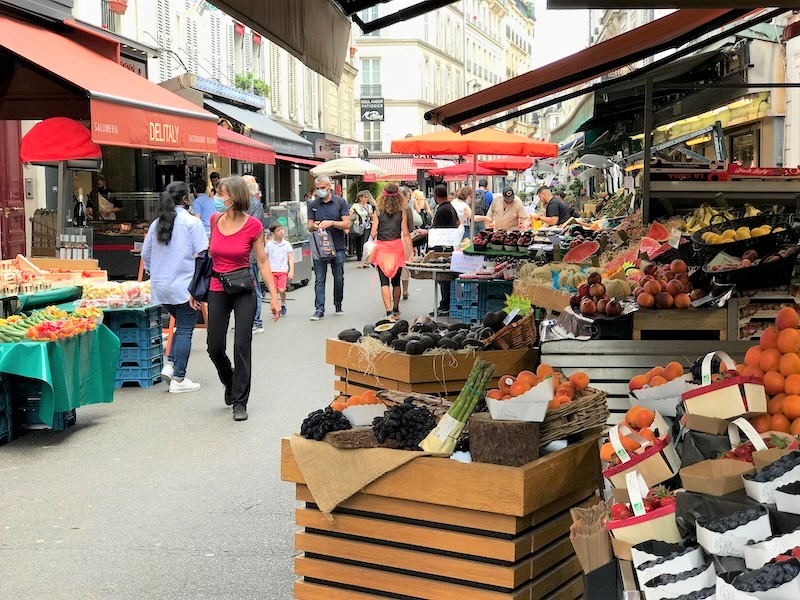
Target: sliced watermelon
<point>650,246</point>
<point>658,232</point>
<point>631,256</point>
<point>581,252</point>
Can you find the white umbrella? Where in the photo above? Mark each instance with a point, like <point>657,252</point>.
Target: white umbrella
<point>347,166</point>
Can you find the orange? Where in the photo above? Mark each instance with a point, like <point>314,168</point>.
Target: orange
<point>752,356</point>
<point>354,401</point>
<point>506,397</point>
<point>606,452</point>
<point>657,381</point>
<point>740,368</point>
<point>518,388</point>
<point>787,318</point>
<point>656,372</point>
<point>789,364</point>
<point>565,400</point>
<point>567,390</point>
<point>780,423</point>
<point>774,382</point>
<point>580,380</point>
<point>753,371</point>
<point>629,444</point>
<point>761,423</point>
<point>340,406</point>
<point>770,360</point>
<point>638,382</point>
<point>794,428</point>
<point>494,394</point>
<point>544,370</point>
<point>528,377</point>
<point>630,416</point>
<point>791,407</point>
<point>647,434</point>
<point>769,338</point>
<point>673,371</point>
<point>792,385</point>
<point>775,404</point>
<point>788,341</point>
<point>644,418</point>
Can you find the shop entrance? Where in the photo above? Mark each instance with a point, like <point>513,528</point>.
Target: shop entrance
<point>12,207</point>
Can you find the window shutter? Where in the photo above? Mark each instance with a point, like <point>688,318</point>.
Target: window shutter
<point>308,99</point>
<point>248,53</point>
<point>191,39</point>
<point>164,37</point>
<point>292,87</point>
<point>275,77</point>
<point>216,47</point>
<point>231,54</point>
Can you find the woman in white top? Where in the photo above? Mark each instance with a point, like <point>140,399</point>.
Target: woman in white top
<point>461,204</point>
<point>360,221</point>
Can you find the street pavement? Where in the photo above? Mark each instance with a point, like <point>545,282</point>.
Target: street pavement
<point>164,496</point>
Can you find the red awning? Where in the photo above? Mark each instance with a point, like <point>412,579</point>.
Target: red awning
<point>300,161</point>
<point>400,168</point>
<point>662,34</point>
<point>57,139</point>
<point>238,146</point>
<point>125,109</point>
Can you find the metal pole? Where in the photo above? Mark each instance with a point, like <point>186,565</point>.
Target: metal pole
<point>61,204</point>
<point>472,198</point>
<point>464,43</point>
<point>648,143</point>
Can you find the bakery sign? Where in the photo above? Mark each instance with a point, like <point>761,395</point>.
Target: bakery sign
<point>372,109</point>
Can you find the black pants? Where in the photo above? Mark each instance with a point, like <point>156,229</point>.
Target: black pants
<point>385,280</point>
<point>358,244</point>
<point>444,292</point>
<point>236,379</point>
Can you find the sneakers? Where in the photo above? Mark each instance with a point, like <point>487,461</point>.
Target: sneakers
<point>168,370</point>
<point>258,329</point>
<point>442,313</point>
<point>228,399</point>
<point>239,413</point>
<point>283,310</point>
<point>339,311</point>
<point>182,387</point>
<point>317,315</point>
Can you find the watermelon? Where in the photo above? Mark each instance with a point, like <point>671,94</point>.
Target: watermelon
<point>581,252</point>
<point>631,256</point>
<point>650,246</point>
<point>658,232</point>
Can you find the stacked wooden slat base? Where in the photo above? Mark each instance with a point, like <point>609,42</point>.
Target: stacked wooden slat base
<point>438,529</point>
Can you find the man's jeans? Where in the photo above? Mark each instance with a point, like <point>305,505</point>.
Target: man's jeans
<point>257,322</point>
<point>320,275</point>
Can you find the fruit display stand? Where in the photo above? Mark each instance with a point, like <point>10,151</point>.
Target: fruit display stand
<point>439,529</point>
<point>442,374</point>
<point>720,323</point>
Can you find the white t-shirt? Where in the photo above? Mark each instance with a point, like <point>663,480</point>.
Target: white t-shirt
<point>278,255</point>
<point>460,207</point>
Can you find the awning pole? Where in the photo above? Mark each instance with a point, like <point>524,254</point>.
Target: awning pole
<point>61,200</point>
<point>648,143</point>
<point>472,198</point>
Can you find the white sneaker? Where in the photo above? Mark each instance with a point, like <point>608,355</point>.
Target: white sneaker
<point>181,387</point>
<point>168,370</point>
<point>258,330</point>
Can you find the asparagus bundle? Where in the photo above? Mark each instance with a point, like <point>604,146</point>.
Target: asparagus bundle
<point>443,438</point>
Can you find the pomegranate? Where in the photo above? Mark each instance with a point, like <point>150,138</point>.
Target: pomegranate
<point>575,301</point>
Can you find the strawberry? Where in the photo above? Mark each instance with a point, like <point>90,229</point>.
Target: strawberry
<point>620,511</point>
<point>796,552</point>
<point>666,501</point>
<point>648,505</point>
<point>782,558</point>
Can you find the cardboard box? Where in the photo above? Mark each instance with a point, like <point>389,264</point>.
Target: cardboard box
<point>733,541</point>
<point>91,264</point>
<point>716,477</point>
<point>706,577</point>
<point>766,457</point>
<point>787,498</point>
<point>659,524</point>
<point>758,554</point>
<point>706,424</point>
<point>727,399</point>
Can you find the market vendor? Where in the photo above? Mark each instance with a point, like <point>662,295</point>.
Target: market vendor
<point>509,213</point>
<point>556,210</point>
<point>101,205</point>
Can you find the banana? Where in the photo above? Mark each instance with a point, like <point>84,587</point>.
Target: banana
<point>751,211</point>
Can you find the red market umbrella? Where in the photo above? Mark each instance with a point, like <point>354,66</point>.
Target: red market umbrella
<point>58,139</point>
<point>466,168</point>
<point>509,163</point>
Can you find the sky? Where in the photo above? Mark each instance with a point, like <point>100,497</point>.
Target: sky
<point>558,33</point>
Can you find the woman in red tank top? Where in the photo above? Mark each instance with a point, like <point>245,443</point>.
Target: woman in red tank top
<point>234,234</point>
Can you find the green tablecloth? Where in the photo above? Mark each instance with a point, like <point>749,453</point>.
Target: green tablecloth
<point>74,372</point>
<point>29,302</point>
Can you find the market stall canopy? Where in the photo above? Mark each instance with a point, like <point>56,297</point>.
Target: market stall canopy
<point>404,168</point>
<point>571,4</point>
<point>347,166</point>
<point>48,75</point>
<point>509,163</point>
<point>58,139</point>
<point>466,169</point>
<point>486,141</point>
<point>238,146</point>
<point>264,129</point>
<point>668,32</point>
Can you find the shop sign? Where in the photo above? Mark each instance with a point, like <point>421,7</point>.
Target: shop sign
<point>134,64</point>
<point>348,150</point>
<point>372,109</point>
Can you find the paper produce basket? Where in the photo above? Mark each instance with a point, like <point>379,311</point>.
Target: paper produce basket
<point>696,579</point>
<point>530,406</point>
<point>663,399</point>
<point>728,398</point>
<point>657,463</point>
<point>758,554</point>
<point>733,541</point>
<point>690,559</point>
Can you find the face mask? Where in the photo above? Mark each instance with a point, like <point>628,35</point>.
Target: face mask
<point>323,193</point>
<point>219,205</point>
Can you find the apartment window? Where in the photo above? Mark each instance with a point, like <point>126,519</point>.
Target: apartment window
<point>372,136</point>
<point>426,22</point>
<point>744,149</point>
<point>426,81</point>
<point>308,97</point>
<point>238,49</point>
<point>191,42</point>
<point>371,78</point>
<point>293,87</point>
<point>110,19</point>
<point>258,56</point>
<point>275,77</point>
<point>368,15</point>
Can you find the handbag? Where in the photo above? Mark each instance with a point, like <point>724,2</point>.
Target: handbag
<point>322,247</point>
<point>358,227</point>
<point>200,284</point>
<point>235,282</point>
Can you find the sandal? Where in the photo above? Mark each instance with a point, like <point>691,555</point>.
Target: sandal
<point>396,312</point>
<point>405,296</point>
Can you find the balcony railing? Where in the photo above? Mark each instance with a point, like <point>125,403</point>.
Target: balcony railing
<point>371,90</point>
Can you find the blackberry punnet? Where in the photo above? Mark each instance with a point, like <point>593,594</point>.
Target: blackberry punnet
<point>737,519</point>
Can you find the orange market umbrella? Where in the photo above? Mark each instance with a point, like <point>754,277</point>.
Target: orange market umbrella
<point>509,163</point>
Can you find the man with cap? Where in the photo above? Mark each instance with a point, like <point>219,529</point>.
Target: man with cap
<point>556,210</point>
<point>509,213</point>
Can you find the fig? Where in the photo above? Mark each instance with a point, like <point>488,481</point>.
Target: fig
<point>575,301</point>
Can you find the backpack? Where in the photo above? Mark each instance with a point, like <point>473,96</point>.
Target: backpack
<point>480,202</point>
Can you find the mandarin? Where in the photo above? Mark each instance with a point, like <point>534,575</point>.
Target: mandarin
<point>340,406</point>
<point>644,418</point>
<point>370,397</point>
<point>638,382</point>
<point>789,364</point>
<point>769,338</point>
<point>752,356</point>
<point>775,404</point>
<point>629,444</point>
<point>555,403</point>
<point>580,380</point>
<point>494,394</point>
<point>740,368</point>
<point>647,434</point>
<point>761,423</point>
<point>657,381</point>
<point>780,423</point>
<point>792,385</point>
<point>630,416</point>
<point>528,377</point>
<point>774,382</point>
<point>753,371</point>
<point>791,407</point>
<point>787,318</point>
<point>656,372</point>
<point>606,452</point>
<point>788,341</point>
<point>770,360</point>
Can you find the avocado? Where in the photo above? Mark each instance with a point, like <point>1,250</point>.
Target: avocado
<point>400,345</point>
<point>485,333</point>
<point>400,327</point>
<point>490,319</point>
<point>414,348</point>
<point>369,328</point>
<point>501,316</point>
<point>350,335</point>
<point>427,342</point>
<point>381,327</point>
<point>448,344</point>
<point>386,337</point>
<point>375,336</point>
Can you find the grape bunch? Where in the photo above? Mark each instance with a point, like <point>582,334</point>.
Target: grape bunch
<point>774,470</point>
<point>700,594</point>
<point>668,578</point>
<point>404,423</point>
<point>320,422</point>
<point>737,519</point>
<point>768,577</point>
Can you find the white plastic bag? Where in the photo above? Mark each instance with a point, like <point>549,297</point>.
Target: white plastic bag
<point>369,250</point>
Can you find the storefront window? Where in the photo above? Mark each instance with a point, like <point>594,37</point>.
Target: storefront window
<point>743,149</point>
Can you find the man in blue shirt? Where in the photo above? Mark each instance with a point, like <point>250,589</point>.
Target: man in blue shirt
<point>329,212</point>
<point>203,204</point>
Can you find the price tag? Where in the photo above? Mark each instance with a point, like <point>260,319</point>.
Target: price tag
<point>674,237</point>
<point>465,263</point>
<point>511,316</point>
<point>444,237</point>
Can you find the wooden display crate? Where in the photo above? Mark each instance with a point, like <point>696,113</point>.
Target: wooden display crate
<point>712,320</point>
<point>542,296</point>
<point>438,374</point>
<point>438,529</point>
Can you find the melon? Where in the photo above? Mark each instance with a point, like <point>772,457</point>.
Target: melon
<point>658,232</point>
<point>581,252</point>
<point>650,246</point>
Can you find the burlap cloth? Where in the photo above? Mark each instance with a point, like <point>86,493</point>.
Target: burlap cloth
<point>333,475</point>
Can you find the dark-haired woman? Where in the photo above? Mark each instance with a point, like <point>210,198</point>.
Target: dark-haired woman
<point>234,234</point>
<point>393,244</point>
<point>169,248</point>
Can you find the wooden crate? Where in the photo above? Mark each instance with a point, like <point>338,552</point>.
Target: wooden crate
<point>483,532</point>
<point>711,320</point>
<point>440,374</point>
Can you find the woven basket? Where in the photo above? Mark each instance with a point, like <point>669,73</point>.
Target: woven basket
<point>521,334</point>
<point>588,411</point>
<point>761,276</point>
